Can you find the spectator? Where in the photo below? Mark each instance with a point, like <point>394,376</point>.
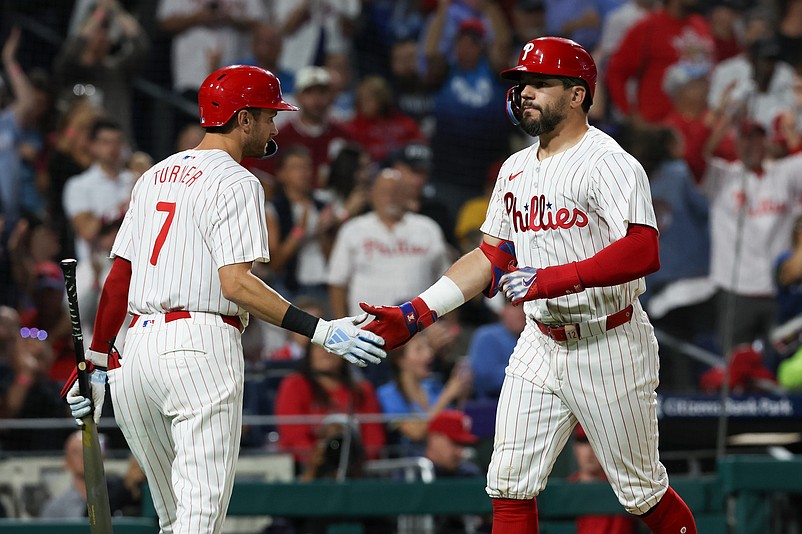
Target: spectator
<point>299,226</point>
<point>413,94</point>
<point>680,296</point>
<point>206,36</point>
<point>386,240</point>
<point>95,64</point>
<point>789,31</point>
<point>615,26</point>
<point>48,315</point>
<point>762,83</point>
<point>414,395</point>
<point>752,211</point>
<point>26,392</point>
<point>490,349</point>
<point>788,125</point>
<point>688,41</point>
<point>343,85</point>
<point>447,436</point>
<point>189,137</point>
<point>325,385</point>
<point>313,31</point>
<point>725,20</point>
<point>32,146</point>
<point>72,502</point>
<point>590,470</point>
<point>71,156</point>
<point>266,47</point>
<point>528,19</point>
<point>690,118</point>
<point>348,186</point>
<point>33,241</point>
<point>578,20</point>
<point>470,134</point>
<point>414,164</point>
<point>311,127</point>
<point>378,125</point>
<point>94,201</point>
<point>788,274</point>
<point>13,118</point>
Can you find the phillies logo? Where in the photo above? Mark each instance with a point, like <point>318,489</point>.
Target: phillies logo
<point>539,215</point>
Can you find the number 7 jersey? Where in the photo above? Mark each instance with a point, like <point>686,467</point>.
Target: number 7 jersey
<point>189,215</point>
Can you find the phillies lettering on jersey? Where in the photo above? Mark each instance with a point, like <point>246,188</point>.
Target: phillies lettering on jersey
<point>541,216</point>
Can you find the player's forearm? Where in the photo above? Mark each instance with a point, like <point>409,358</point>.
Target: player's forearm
<point>242,287</point>
<point>471,273</point>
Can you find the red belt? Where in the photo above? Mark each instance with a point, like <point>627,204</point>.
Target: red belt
<point>169,317</point>
<point>573,331</point>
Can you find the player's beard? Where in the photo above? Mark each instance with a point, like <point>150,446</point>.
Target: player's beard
<point>550,117</point>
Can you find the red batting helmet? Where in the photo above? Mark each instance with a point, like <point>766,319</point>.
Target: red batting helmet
<point>232,88</point>
<point>553,56</point>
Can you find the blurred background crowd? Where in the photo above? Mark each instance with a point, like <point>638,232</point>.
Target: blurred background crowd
<point>383,179</point>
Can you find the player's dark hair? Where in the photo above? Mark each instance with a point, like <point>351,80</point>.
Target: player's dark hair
<point>103,123</point>
<point>569,82</point>
<point>343,375</point>
<point>229,126</point>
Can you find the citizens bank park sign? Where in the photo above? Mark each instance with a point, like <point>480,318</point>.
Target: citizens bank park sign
<point>702,406</point>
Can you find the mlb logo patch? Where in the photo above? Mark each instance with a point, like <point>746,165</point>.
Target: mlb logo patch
<point>147,322</point>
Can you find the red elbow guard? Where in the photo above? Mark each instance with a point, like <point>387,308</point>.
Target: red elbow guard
<point>502,260</point>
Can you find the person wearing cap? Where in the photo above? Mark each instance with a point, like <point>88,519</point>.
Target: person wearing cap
<point>752,211</point>
<point>414,163</point>
<point>469,134</point>
<point>448,434</point>
<point>311,127</point>
<point>760,81</point>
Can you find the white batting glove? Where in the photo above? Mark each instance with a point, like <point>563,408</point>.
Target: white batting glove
<point>343,338</point>
<point>520,285</point>
<point>80,406</point>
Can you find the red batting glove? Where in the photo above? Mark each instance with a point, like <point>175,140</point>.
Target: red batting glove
<point>397,324</point>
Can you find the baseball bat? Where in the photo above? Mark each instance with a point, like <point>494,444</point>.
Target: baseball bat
<point>97,494</point>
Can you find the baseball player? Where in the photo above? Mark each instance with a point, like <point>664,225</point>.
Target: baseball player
<point>182,268</point>
<point>574,211</point>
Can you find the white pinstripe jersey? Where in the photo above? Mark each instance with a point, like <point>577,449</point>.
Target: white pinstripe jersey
<point>191,214</point>
<point>566,208</point>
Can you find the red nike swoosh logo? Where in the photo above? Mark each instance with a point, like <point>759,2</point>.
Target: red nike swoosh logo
<point>513,176</point>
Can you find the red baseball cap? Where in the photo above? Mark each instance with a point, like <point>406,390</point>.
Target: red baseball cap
<point>456,425</point>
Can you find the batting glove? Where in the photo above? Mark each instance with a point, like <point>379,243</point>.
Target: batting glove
<point>80,406</point>
<point>343,338</point>
<point>520,285</point>
<point>397,324</point>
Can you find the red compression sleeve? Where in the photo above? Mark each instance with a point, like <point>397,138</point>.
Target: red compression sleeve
<point>631,257</point>
<point>113,305</point>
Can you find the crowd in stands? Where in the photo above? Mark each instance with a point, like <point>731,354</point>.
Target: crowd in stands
<point>383,177</point>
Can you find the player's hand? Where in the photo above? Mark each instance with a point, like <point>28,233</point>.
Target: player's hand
<point>343,338</point>
<point>520,285</point>
<point>80,406</point>
<point>397,324</point>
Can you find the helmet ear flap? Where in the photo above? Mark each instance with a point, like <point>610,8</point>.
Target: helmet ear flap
<point>514,109</point>
<point>271,149</point>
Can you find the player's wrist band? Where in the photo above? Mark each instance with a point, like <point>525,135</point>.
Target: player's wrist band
<point>297,320</point>
<point>443,296</point>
